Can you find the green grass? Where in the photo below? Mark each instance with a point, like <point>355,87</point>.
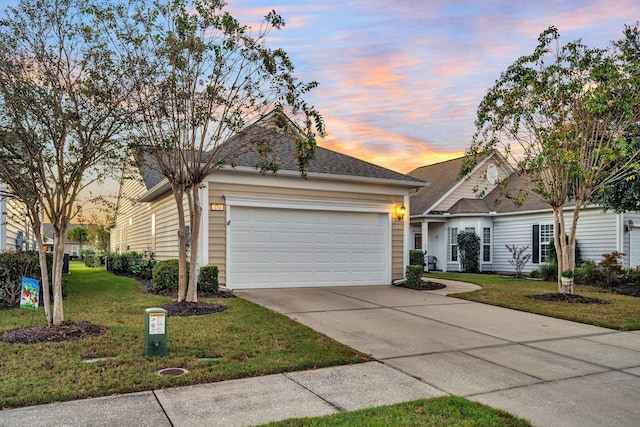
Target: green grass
<point>622,312</point>
<point>249,340</point>
<point>438,412</point>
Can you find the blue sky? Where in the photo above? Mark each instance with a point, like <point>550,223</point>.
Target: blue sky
<point>400,80</point>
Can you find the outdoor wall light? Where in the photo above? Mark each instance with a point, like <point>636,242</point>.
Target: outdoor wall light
<point>401,212</point>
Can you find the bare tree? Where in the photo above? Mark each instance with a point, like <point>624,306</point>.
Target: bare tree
<point>204,78</point>
<point>63,101</point>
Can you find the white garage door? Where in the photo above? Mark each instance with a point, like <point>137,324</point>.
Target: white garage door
<point>272,247</point>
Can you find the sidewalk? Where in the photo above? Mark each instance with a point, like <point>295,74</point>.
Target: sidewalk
<point>242,402</point>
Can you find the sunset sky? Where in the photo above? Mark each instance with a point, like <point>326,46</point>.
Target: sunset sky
<point>400,80</point>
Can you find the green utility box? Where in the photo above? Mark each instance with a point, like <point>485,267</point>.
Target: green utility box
<point>155,332</point>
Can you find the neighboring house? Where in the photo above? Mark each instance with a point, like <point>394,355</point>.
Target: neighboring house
<point>339,225</point>
<point>71,247</point>
<point>15,227</point>
<point>450,205</point>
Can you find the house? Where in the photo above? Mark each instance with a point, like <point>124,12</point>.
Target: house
<point>15,228</point>
<point>71,247</point>
<point>339,225</point>
<point>452,205</point>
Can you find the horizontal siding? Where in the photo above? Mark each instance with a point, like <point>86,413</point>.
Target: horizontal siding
<point>16,221</point>
<point>133,222</point>
<point>217,219</point>
<point>596,234</point>
<point>166,226</point>
<point>470,187</point>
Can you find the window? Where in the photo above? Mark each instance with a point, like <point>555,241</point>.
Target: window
<point>74,251</point>
<point>417,241</point>
<point>542,241</point>
<point>546,239</point>
<point>454,244</point>
<point>153,233</point>
<point>486,244</point>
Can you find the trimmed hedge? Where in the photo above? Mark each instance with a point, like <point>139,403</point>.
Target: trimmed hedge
<point>414,274</point>
<point>130,264</point>
<point>416,257</point>
<point>94,260</point>
<point>164,276</point>
<point>208,278</point>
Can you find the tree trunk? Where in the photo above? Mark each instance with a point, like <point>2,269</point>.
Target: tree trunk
<point>58,261</point>
<point>195,215</point>
<point>44,270</point>
<point>178,194</point>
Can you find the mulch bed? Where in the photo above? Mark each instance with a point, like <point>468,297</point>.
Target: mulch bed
<point>573,299</point>
<point>185,308</point>
<point>425,285</point>
<point>68,331</point>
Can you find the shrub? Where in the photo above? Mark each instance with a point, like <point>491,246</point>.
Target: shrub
<point>17,264</point>
<point>519,258</point>
<point>632,276</point>
<point>567,274</point>
<point>165,276</point>
<point>549,271</point>
<point>414,273</point>
<point>416,257</point>
<point>611,266</point>
<point>588,274</point>
<point>94,260</point>
<point>130,263</point>
<point>469,248</point>
<point>141,267</point>
<point>208,278</point>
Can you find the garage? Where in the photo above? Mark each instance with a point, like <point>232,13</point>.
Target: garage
<point>279,247</point>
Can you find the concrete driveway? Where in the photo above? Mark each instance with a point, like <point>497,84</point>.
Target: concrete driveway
<point>550,371</point>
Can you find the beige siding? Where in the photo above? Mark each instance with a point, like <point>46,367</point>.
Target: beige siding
<point>133,230</point>
<point>472,187</point>
<point>397,250</point>
<point>217,219</point>
<point>166,233</point>
<point>16,221</point>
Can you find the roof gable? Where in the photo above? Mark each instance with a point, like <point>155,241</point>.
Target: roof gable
<point>447,188</point>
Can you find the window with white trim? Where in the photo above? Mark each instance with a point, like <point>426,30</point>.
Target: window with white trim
<point>486,244</point>
<point>546,240</point>
<point>542,240</point>
<point>454,244</point>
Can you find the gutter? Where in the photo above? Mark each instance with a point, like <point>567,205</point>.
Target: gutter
<point>163,186</point>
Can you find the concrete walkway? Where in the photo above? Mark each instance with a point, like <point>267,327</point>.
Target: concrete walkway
<point>550,371</point>
<point>553,372</point>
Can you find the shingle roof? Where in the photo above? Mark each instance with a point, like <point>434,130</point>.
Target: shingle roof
<point>497,201</point>
<point>240,150</point>
<point>441,178</point>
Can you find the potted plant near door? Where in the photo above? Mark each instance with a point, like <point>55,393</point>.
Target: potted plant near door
<point>566,280</point>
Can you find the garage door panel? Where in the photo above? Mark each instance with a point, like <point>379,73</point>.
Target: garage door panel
<point>291,248</point>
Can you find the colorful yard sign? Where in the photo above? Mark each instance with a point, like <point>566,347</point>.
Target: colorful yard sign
<point>30,296</point>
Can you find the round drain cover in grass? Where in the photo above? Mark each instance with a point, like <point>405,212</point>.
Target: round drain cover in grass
<point>174,372</point>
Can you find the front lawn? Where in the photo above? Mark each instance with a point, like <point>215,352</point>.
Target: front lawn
<point>242,341</point>
<point>622,312</point>
<point>437,412</point>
